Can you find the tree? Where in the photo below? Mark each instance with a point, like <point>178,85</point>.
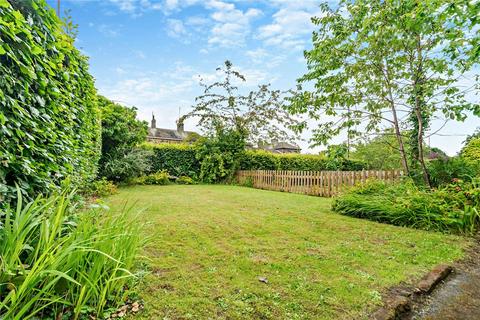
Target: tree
<point>379,153</point>
<point>261,113</point>
<point>388,64</point>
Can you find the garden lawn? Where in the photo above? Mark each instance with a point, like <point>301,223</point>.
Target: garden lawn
<point>210,244</point>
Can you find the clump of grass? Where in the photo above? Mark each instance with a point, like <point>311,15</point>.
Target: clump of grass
<point>453,208</point>
<point>54,261</point>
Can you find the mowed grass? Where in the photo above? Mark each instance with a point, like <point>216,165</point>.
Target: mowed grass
<point>210,244</point>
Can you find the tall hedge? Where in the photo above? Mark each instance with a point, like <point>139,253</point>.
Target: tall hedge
<point>177,159</point>
<point>180,159</point>
<point>263,160</point>
<point>49,123</point>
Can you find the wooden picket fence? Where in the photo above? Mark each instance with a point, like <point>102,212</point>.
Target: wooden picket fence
<point>318,183</point>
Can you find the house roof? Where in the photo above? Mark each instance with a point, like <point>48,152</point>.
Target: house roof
<point>285,145</point>
<point>167,134</point>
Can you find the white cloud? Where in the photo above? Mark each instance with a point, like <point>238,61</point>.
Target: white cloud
<point>176,28</point>
<point>231,25</point>
<point>129,6</point>
<point>160,93</point>
<point>291,25</point>
<point>107,30</point>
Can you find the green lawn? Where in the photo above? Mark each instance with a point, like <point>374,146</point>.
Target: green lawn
<point>210,245</point>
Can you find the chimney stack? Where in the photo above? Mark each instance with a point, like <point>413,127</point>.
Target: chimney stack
<point>153,124</point>
<point>180,126</point>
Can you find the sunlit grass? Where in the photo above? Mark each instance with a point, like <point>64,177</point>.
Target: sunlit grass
<point>212,243</point>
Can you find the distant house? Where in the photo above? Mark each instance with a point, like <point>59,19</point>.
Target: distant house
<point>280,147</point>
<point>162,135</point>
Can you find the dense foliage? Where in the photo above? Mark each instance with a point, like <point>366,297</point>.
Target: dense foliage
<point>471,151</point>
<point>445,170</point>
<point>126,164</point>
<point>454,207</point>
<point>180,160</point>
<point>395,65</point>
<point>177,159</point>
<point>262,160</point>
<point>157,178</point>
<point>219,155</point>
<point>121,132</point>
<point>49,125</point>
<point>56,263</point>
<point>378,153</point>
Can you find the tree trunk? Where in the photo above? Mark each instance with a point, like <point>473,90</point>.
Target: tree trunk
<point>401,146</point>
<point>396,126</point>
<point>419,103</point>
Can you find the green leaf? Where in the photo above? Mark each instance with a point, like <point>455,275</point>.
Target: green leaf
<point>4,4</point>
<point>36,50</point>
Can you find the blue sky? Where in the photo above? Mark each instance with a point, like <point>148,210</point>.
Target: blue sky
<point>150,53</point>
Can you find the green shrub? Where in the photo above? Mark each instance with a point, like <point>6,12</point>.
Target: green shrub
<point>57,263</point>
<point>99,188</point>
<point>263,160</point>
<point>185,180</point>
<point>158,178</point>
<point>49,126</point>
<point>126,165</point>
<point>444,171</point>
<point>121,132</point>
<point>471,152</point>
<point>180,160</point>
<point>219,155</point>
<point>454,208</point>
<point>177,159</point>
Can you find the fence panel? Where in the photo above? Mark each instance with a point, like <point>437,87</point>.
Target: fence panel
<point>318,183</point>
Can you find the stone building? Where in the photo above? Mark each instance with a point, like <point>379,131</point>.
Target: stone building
<point>280,147</point>
<point>162,135</point>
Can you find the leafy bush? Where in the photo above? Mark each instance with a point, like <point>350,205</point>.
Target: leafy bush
<point>177,159</point>
<point>126,165</point>
<point>219,155</point>
<point>454,208</point>
<point>49,125</point>
<point>100,188</point>
<point>471,151</point>
<point>185,180</point>
<point>445,170</point>
<point>159,178</point>
<point>54,261</point>
<point>121,131</point>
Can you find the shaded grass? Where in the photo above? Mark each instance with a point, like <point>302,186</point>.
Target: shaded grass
<point>211,243</point>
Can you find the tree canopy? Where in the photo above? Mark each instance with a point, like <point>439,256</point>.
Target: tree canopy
<point>260,114</point>
<point>380,64</point>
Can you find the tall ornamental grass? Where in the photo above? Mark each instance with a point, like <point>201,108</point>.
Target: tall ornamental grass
<point>54,262</point>
<point>452,208</point>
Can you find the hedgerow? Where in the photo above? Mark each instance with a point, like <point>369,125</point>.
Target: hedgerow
<point>263,160</point>
<point>177,159</point>
<point>49,124</point>
<point>180,160</point>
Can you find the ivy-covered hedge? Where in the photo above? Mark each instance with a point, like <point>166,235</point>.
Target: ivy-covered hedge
<point>49,124</point>
<point>180,160</point>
